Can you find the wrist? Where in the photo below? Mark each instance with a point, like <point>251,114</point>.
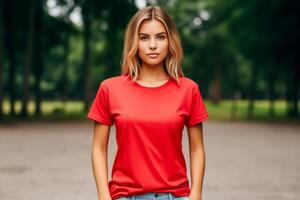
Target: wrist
<point>195,196</point>
<point>104,197</point>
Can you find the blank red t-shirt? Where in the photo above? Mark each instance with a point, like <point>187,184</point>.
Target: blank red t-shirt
<point>149,123</point>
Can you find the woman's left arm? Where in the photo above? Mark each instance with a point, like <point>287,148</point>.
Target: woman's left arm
<point>197,160</point>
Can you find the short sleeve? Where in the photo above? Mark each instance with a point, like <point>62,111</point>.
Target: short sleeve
<point>198,112</point>
<point>100,111</point>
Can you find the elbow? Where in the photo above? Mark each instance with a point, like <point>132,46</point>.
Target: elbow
<point>197,149</point>
<point>100,149</point>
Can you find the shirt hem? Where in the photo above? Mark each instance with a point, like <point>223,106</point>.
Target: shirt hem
<point>98,119</point>
<point>178,192</point>
<point>197,120</point>
<point>140,193</point>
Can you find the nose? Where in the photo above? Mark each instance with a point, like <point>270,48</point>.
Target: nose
<point>152,44</point>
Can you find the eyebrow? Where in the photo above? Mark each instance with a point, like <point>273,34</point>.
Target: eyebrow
<point>156,34</point>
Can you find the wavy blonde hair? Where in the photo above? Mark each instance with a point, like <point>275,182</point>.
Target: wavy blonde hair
<point>131,63</point>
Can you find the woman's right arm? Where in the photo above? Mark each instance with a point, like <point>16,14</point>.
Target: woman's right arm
<point>99,160</point>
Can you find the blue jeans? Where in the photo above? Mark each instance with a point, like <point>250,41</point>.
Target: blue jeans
<point>154,196</point>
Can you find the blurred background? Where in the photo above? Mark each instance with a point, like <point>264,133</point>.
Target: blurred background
<point>243,55</point>
<point>54,53</point>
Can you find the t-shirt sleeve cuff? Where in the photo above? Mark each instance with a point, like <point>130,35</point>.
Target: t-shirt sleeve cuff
<point>99,119</point>
<point>197,120</point>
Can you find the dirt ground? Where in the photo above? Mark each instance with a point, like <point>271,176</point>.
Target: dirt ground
<point>244,161</point>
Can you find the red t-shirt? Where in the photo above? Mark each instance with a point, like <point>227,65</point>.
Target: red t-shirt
<point>149,124</point>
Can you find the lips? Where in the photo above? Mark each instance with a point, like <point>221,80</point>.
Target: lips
<point>153,55</point>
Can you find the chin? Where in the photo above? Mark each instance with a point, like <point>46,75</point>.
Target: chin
<point>153,63</point>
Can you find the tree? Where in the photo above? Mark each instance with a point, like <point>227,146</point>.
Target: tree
<point>29,55</point>
<point>9,24</point>
<point>1,59</point>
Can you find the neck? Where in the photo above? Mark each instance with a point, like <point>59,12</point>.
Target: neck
<point>153,73</point>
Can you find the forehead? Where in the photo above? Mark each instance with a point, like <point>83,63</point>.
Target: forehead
<point>152,27</point>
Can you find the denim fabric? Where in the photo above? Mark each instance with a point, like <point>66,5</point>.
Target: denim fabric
<point>154,196</point>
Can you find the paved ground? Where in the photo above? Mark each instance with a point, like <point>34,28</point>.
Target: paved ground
<point>245,161</point>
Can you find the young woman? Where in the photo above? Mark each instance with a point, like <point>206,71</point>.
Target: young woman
<point>149,104</point>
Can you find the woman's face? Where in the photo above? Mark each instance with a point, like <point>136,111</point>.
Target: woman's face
<point>153,45</point>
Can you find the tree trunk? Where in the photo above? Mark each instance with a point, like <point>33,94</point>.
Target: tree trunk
<point>9,43</point>
<point>86,56</point>
<point>38,61</point>
<point>28,62</point>
<point>293,93</point>
<point>64,85</point>
<point>234,96</point>
<point>271,93</point>
<point>1,59</point>
<point>296,90</point>
<point>252,93</point>
<point>216,91</point>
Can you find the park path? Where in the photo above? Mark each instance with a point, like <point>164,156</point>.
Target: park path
<point>244,161</point>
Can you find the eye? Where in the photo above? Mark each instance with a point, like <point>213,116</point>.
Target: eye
<point>143,38</point>
<point>161,37</point>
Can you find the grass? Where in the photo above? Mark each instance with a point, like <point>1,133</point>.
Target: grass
<point>222,111</point>
<point>51,110</point>
<point>73,110</point>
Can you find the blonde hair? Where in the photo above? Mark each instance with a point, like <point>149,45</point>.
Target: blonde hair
<point>131,62</point>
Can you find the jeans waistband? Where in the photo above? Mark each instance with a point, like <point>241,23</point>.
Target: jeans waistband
<point>150,195</point>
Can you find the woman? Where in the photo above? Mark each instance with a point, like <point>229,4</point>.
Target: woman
<point>149,103</point>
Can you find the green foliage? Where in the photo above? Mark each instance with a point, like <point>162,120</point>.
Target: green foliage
<point>72,110</point>
<point>232,46</point>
